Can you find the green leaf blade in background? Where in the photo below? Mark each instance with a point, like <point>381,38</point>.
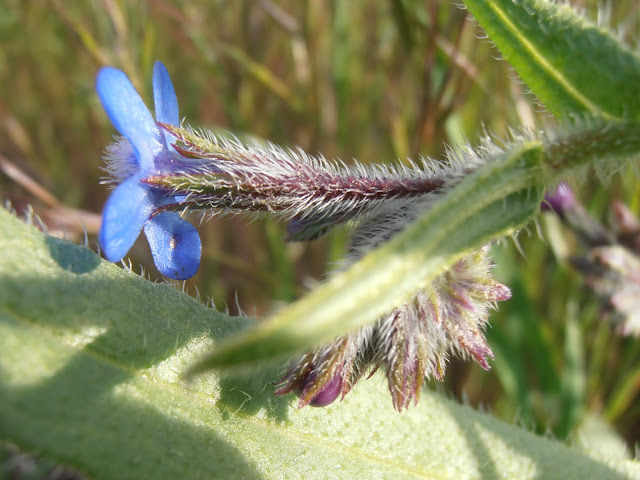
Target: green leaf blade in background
<point>573,66</point>
<point>89,376</point>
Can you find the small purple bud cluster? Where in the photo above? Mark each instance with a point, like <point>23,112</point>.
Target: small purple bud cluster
<point>411,343</point>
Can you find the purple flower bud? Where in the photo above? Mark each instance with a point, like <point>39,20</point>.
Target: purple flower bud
<point>328,393</point>
<point>559,201</point>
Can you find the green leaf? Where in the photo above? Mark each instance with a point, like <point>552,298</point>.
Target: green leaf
<point>89,376</point>
<point>572,65</point>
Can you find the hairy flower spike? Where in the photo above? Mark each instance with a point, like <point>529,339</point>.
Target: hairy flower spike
<point>411,343</point>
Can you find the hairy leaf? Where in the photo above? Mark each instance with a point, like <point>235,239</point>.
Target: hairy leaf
<point>89,376</point>
<point>572,65</point>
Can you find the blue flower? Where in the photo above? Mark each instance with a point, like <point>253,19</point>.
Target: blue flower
<point>146,150</point>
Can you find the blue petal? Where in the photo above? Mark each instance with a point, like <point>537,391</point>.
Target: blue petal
<point>127,209</point>
<point>129,114</point>
<point>175,245</point>
<point>164,96</point>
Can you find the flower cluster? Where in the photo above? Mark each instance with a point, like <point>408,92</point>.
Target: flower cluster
<point>161,169</point>
<point>414,341</point>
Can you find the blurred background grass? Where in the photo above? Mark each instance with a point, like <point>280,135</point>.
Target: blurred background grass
<point>372,80</point>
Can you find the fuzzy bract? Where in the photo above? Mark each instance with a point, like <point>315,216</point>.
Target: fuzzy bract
<point>144,151</point>
<point>412,343</point>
